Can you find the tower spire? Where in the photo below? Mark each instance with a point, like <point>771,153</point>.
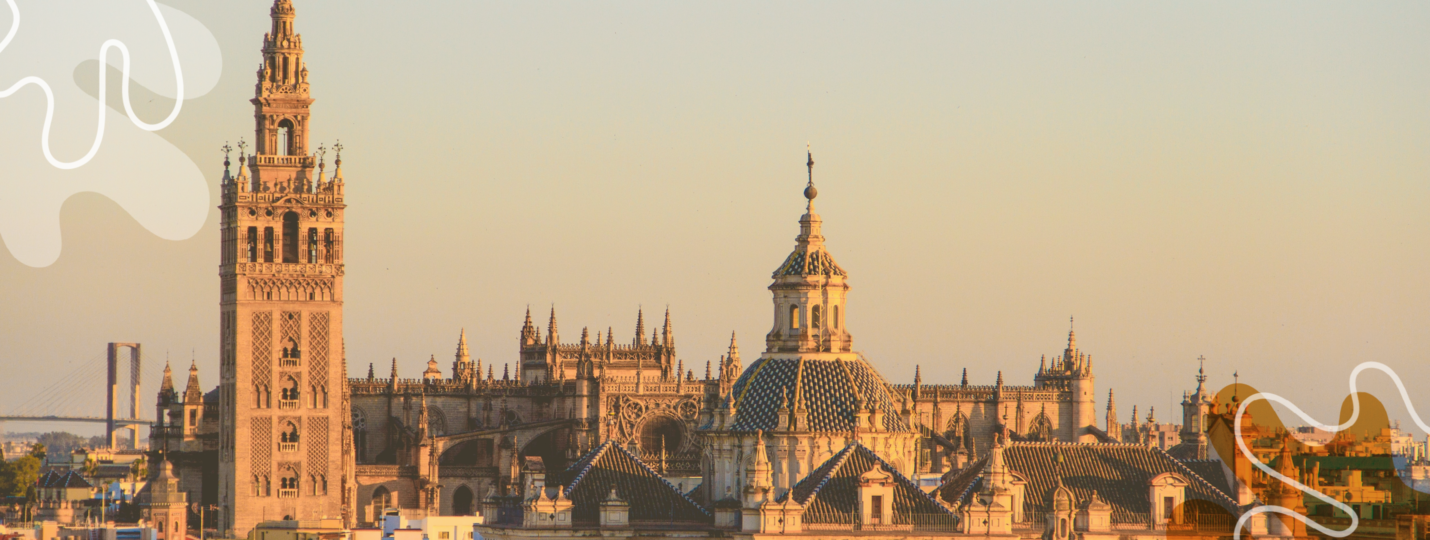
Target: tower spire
<point>809,191</point>
<point>640,327</point>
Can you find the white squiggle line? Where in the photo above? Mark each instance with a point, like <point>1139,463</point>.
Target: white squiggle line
<point>1355,413</point>
<point>128,108</point>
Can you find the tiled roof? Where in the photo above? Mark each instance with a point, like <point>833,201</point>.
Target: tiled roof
<point>831,492</point>
<point>1210,470</point>
<point>56,480</point>
<point>809,262</point>
<point>589,481</point>
<point>829,390</point>
<point>1118,473</point>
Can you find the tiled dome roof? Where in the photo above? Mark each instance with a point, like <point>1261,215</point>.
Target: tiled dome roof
<point>830,390</point>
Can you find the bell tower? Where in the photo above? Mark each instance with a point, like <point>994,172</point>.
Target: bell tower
<point>809,291</point>
<point>283,418</point>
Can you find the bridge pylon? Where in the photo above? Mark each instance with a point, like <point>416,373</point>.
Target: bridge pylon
<point>112,403</point>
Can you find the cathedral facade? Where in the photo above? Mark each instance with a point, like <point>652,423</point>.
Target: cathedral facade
<point>289,434</point>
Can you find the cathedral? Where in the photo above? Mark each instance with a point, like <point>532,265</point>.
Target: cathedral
<point>595,430</point>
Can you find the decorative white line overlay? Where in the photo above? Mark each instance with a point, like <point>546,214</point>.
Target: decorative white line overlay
<point>128,108</point>
<point>1355,413</point>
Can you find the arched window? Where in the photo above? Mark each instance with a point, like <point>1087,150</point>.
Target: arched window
<point>659,434</point>
<point>814,318</point>
<point>290,433</point>
<point>328,246</point>
<point>794,317</point>
<point>288,485</point>
<point>289,392</point>
<point>462,501</point>
<point>836,316</point>
<point>252,244</point>
<point>290,237</point>
<point>312,246</point>
<point>268,244</point>
<point>285,138</point>
<point>381,498</point>
<point>360,436</point>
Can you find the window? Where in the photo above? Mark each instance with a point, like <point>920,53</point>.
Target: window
<point>1169,505</point>
<point>876,509</point>
<point>290,433</point>
<point>285,135</point>
<point>290,237</point>
<point>312,247</point>
<point>252,244</point>
<point>328,246</point>
<point>1062,527</point>
<point>193,416</point>
<point>444,535</point>
<point>836,317</point>
<point>794,317</point>
<point>268,244</point>
<point>814,318</point>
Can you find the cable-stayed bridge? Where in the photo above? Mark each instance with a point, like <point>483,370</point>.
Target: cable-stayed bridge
<point>75,395</point>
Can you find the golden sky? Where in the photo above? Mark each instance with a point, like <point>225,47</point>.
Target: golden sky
<point>1244,182</point>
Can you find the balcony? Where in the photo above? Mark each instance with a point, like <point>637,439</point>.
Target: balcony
<point>287,404</point>
<point>290,362</point>
<point>287,494</point>
<point>287,447</point>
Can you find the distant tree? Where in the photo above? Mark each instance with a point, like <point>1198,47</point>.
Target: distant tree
<point>38,451</point>
<point>140,469</point>
<point>18,477</point>
<point>91,467</point>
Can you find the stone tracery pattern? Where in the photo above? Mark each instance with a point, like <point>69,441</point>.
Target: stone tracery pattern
<point>262,349</point>
<point>318,350</point>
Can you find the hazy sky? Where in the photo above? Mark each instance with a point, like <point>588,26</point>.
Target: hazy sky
<point>1242,181</point>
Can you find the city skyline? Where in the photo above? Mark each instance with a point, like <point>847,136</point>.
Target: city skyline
<point>1172,221</point>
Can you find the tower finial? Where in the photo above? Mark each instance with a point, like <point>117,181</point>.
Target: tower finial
<point>809,191</point>
<point>226,149</point>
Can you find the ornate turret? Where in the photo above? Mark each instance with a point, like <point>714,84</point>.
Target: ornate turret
<point>809,291</point>
<point>193,394</point>
<point>166,388</point>
<point>463,370</point>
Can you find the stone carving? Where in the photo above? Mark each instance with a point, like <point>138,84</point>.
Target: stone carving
<point>318,350</point>
<point>260,461</point>
<point>262,350</point>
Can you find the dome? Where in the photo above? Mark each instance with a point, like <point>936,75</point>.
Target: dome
<point>831,390</point>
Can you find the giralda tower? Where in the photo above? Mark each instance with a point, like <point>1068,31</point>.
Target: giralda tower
<point>282,369</point>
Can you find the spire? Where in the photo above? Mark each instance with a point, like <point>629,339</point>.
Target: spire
<point>462,354</point>
<point>610,337</point>
<point>809,192</point>
<point>965,377</point>
<point>640,328</point>
<point>1000,379</point>
<point>1072,341</point>
<point>166,388</point>
<point>394,369</point>
<point>1111,402</point>
<point>370,373</point>
<point>422,419</point>
<point>338,162</point>
<point>809,257</point>
<point>226,150</point>
<point>667,335</point>
<point>551,328</point>
<point>1201,374</point>
<point>586,336</point>
<point>193,394</point>
<point>918,377</point>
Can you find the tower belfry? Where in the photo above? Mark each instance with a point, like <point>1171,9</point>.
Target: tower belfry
<point>282,409</point>
<point>281,105</point>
